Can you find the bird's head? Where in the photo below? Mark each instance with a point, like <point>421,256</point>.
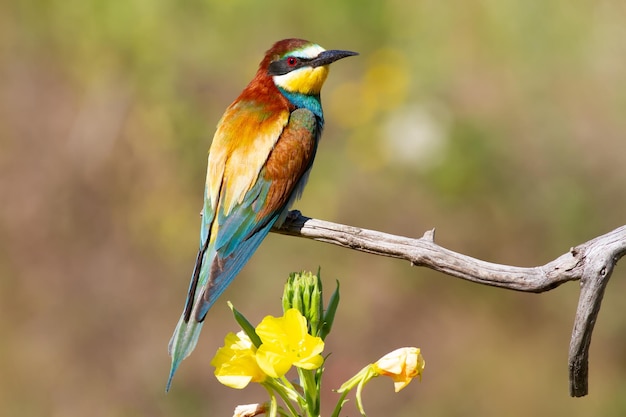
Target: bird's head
<point>299,66</point>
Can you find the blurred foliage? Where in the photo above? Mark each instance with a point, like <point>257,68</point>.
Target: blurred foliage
<point>501,123</point>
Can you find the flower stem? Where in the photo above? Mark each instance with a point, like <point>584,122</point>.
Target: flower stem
<point>287,394</point>
<point>340,403</point>
<point>273,404</point>
<point>311,393</point>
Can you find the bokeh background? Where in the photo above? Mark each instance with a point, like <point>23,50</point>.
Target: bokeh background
<point>499,122</point>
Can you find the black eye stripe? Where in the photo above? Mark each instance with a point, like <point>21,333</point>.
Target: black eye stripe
<point>281,67</point>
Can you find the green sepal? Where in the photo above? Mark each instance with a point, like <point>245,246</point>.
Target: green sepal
<point>245,326</point>
<point>315,305</point>
<point>288,293</point>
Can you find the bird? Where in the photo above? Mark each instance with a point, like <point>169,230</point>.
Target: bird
<point>258,164</point>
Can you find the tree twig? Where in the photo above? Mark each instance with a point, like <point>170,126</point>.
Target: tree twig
<point>591,263</point>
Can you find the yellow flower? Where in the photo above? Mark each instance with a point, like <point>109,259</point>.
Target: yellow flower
<point>286,342</point>
<point>235,363</point>
<point>402,365</point>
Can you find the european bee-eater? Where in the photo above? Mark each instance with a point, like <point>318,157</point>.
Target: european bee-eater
<point>259,162</point>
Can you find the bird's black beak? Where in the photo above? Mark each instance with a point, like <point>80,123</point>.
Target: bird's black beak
<point>328,57</point>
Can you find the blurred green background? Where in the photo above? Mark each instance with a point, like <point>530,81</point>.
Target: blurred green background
<point>500,123</point>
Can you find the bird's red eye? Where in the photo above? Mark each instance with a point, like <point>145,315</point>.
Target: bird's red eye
<point>291,61</point>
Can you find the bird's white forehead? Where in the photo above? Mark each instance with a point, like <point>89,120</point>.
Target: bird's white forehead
<point>308,52</point>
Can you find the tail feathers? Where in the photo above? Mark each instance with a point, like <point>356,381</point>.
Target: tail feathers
<point>212,275</point>
<point>182,343</point>
<point>187,331</point>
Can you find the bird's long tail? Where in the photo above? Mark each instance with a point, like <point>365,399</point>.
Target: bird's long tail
<point>182,343</point>
<point>220,269</point>
<point>187,331</point>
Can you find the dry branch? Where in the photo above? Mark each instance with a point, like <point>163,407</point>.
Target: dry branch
<point>591,262</point>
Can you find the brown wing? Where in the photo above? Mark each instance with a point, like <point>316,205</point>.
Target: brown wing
<point>290,161</point>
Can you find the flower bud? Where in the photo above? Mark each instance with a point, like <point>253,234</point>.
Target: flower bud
<point>303,291</point>
<point>402,365</point>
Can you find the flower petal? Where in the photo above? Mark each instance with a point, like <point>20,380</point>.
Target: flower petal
<point>234,381</point>
<point>235,363</point>
<point>286,342</point>
<point>274,362</point>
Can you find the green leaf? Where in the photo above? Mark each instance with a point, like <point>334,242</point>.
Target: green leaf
<point>329,314</point>
<point>245,326</point>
